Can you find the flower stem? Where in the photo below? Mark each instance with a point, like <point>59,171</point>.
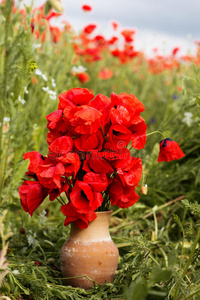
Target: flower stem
<point>156,131</point>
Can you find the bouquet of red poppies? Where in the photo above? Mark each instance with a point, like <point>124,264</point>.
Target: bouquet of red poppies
<point>88,160</point>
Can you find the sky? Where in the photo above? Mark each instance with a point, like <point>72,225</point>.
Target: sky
<point>162,24</point>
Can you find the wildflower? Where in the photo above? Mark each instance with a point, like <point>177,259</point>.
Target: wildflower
<point>105,74</point>
<point>169,150</point>
<point>21,100</point>
<point>39,73</point>
<point>77,70</point>
<point>128,35</point>
<point>89,28</point>
<point>83,77</point>
<point>115,25</point>
<point>32,195</point>
<point>15,272</point>
<point>86,8</point>
<point>6,120</point>
<point>175,50</point>
<point>188,118</point>
<point>26,90</point>
<point>53,82</point>
<point>34,80</point>
<point>81,218</point>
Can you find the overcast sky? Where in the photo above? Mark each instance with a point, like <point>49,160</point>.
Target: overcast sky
<point>160,23</point>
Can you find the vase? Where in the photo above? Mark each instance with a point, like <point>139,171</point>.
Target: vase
<point>89,255</point>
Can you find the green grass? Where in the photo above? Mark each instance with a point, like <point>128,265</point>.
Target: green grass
<point>158,238</point>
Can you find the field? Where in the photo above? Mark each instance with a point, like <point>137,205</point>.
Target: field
<point>158,237</point>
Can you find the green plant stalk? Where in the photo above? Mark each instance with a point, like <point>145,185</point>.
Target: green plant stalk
<point>3,102</point>
<point>191,254</point>
<point>187,264</point>
<point>157,131</point>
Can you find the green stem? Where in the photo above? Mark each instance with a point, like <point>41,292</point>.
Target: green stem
<point>191,254</point>
<point>187,264</point>
<point>3,101</point>
<point>156,132</point>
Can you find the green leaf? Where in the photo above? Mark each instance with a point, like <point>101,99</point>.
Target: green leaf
<point>158,274</point>
<point>137,291</point>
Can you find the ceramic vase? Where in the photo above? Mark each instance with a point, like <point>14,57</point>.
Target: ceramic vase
<point>89,255</point>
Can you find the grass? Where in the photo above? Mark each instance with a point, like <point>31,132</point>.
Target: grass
<point>158,238</point>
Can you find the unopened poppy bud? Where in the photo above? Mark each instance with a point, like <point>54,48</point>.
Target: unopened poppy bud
<point>144,189</point>
<point>57,5</point>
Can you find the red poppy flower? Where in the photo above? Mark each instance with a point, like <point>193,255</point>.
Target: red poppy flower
<point>95,163</point>
<point>98,182</point>
<point>105,74</point>
<point>50,175</point>
<point>122,196</point>
<point>60,147</point>
<point>57,125</point>
<point>169,150</point>
<point>83,198</point>
<point>86,8</point>
<point>83,77</point>
<point>138,137</point>
<point>119,137</point>
<point>71,163</point>
<point>54,193</point>
<point>32,194</point>
<point>125,109</point>
<point>73,215</point>
<point>90,142</point>
<point>128,35</point>
<point>112,40</point>
<point>130,175</point>
<point>89,28</point>
<point>75,96</point>
<point>115,25</point>
<point>175,50</point>
<point>101,103</point>
<point>35,160</point>
<point>86,120</point>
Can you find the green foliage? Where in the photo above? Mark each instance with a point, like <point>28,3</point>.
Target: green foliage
<point>158,238</point>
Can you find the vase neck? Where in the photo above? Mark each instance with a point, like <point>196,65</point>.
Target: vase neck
<point>97,230</point>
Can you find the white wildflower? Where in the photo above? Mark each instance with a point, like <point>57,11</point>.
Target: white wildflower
<point>26,90</point>
<point>36,46</point>
<point>38,72</point>
<point>15,272</point>
<point>43,214</point>
<point>45,89</point>
<point>21,100</point>
<point>77,70</point>
<point>6,120</point>
<point>31,238</point>
<point>188,118</point>
<point>53,82</point>
<point>35,126</point>
<point>52,95</point>
<point>44,77</point>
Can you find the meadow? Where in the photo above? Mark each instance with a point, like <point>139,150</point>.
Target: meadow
<point>158,237</point>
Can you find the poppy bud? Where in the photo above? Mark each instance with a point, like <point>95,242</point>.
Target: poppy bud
<point>144,189</point>
<point>169,150</point>
<point>57,5</point>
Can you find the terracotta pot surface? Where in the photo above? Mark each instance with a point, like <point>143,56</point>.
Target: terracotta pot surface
<point>90,252</point>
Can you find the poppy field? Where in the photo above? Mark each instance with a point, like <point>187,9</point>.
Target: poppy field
<point>94,120</point>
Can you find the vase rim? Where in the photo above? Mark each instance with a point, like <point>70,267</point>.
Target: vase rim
<point>103,212</point>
